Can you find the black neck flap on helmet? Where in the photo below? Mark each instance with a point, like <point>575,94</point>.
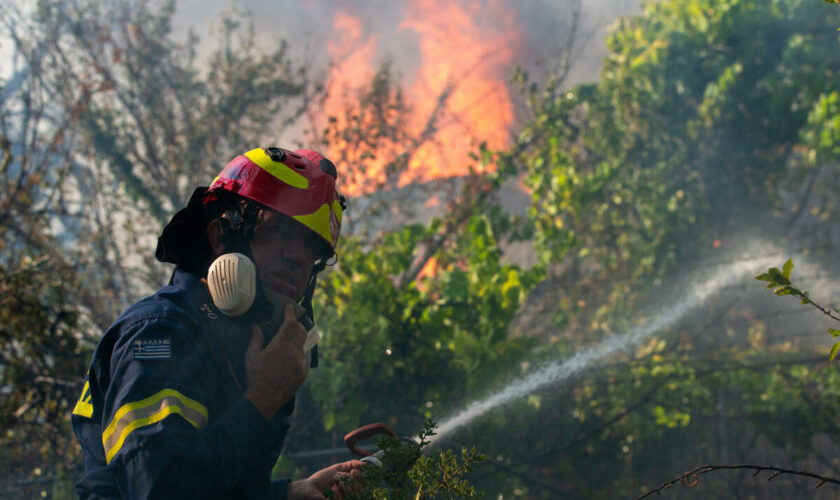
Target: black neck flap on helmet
<point>183,241</point>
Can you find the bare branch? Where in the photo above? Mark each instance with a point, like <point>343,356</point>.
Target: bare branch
<point>692,477</point>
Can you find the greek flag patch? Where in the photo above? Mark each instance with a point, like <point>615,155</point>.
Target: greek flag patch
<point>152,349</point>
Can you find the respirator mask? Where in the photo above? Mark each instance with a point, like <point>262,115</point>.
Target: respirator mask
<point>232,281</point>
<point>233,284</point>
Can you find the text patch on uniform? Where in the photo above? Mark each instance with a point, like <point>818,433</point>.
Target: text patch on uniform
<point>152,349</point>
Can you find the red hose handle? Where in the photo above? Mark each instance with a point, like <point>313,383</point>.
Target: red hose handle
<point>363,433</point>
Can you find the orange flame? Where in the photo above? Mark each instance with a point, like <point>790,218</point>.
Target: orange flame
<point>353,54</point>
<point>429,270</point>
<point>467,50</point>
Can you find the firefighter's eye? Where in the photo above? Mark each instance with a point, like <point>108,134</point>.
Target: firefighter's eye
<point>280,227</point>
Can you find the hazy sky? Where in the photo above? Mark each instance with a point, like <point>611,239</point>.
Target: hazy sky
<point>307,25</point>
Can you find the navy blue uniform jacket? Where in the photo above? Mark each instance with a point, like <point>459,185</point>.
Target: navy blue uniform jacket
<point>162,414</point>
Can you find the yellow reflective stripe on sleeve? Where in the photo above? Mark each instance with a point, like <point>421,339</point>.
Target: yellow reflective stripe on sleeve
<point>277,169</point>
<point>148,411</point>
<point>318,221</point>
<point>83,406</point>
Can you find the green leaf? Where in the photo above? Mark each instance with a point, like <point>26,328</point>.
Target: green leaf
<point>765,277</point>
<point>787,268</point>
<point>834,350</point>
<point>778,276</point>
<point>834,332</point>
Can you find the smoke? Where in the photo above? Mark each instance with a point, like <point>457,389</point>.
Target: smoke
<point>466,50</point>
<point>307,27</point>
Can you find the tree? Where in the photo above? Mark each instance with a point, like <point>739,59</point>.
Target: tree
<point>708,112</point>
<point>631,178</point>
<point>394,349</point>
<point>149,121</point>
<point>104,121</point>
<point>678,107</point>
<point>711,119</point>
<point>41,338</point>
<point>42,348</point>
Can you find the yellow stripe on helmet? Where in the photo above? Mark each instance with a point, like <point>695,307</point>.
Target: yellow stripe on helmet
<point>277,169</point>
<point>148,411</point>
<point>337,210</point>
<point>319,221</point>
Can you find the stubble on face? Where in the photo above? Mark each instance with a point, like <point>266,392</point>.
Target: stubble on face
<point>285,251</point>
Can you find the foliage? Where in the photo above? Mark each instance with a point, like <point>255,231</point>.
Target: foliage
<point>634,422</point>
<point>161,123</point>
<point>713,123</point>
<point>397,345</point>
<point>41,357</point>
<point>41,331</point>
<point>779,281</point>
<point>413,316</point>
<point>143,120</point>
<point>406,474</point>
<point>708,113</point>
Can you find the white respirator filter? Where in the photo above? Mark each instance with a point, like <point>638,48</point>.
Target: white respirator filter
<point>232,280</point>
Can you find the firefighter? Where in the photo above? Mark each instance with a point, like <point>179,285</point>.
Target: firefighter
<point>190,391</point>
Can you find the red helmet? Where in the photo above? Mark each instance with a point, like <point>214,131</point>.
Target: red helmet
<point>299,184</point>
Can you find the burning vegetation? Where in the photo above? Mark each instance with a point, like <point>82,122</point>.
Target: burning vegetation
<point>452,100</point>
<point>636,347</point>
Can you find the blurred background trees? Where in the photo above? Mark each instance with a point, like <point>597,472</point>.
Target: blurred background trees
<point>710,136</point>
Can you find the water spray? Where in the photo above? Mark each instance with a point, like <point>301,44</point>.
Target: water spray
<point>559,371</point>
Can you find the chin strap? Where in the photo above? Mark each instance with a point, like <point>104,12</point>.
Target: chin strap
<point>306,302</point>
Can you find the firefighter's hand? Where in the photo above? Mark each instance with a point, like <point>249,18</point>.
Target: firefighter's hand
<point>324,480</point>
<point>275,372</point>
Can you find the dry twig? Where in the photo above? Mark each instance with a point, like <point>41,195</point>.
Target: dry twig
<point>692,477</point>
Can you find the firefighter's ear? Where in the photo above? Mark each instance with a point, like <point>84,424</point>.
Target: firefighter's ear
<point>215,238</point>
